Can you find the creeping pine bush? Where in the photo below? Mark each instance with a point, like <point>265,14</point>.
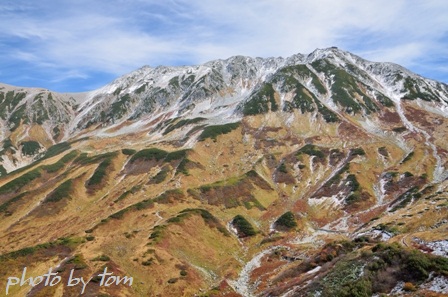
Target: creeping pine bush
<point>30,148</point>
<point>286,220</point>
<point>216,130</point>
<point>243,226</point>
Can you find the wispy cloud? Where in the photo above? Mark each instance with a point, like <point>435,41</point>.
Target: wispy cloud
<point>92,41</point>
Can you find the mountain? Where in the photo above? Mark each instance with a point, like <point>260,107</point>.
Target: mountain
<point>313,175</point>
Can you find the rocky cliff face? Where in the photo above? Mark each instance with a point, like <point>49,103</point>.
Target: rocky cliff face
<point>239,177</point>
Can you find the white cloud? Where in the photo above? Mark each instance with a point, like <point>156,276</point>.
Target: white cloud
<point>118,36</point>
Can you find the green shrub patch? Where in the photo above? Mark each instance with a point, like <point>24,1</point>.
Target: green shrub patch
<point>243,226</point>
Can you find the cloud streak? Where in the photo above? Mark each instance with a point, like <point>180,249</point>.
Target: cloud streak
<point>72,45</point>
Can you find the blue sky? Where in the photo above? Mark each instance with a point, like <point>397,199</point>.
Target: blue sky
<point>79,45</point>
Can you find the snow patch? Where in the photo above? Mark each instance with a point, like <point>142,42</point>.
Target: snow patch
<point>314,270</point>
<point>437,284</point>
<point>439,247</point>
<point>377,234</point>
<point>332,201</point>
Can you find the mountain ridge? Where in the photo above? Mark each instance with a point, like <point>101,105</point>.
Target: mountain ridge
<point>222,91</point>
